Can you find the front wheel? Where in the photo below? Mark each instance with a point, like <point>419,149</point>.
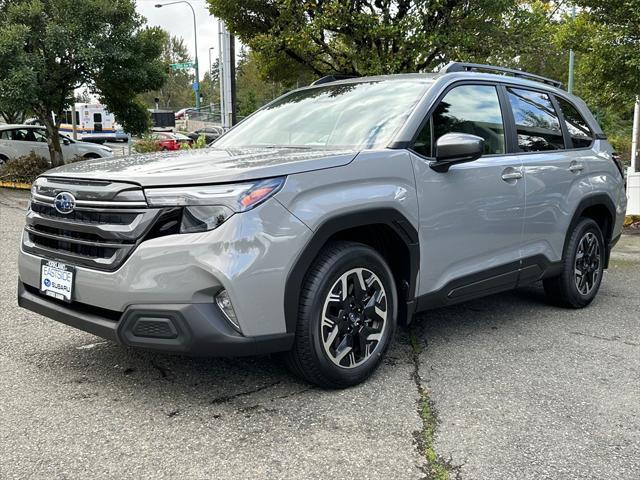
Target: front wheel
<point>347,316</point>
<point>583,267</point>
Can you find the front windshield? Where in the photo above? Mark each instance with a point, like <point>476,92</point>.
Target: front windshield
<point>359,115</point>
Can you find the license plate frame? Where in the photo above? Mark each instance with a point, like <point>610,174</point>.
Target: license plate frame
<point>55,281</point>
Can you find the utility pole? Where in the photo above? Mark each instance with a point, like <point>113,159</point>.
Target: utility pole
<point>74,124</point>
<point>227,76</point>
<point>571,57</point>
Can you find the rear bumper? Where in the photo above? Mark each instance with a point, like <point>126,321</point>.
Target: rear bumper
<point>197,329</point>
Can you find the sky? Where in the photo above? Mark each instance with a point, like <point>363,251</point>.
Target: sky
<point>178,21</point>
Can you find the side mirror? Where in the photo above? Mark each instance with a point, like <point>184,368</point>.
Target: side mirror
<point>455,148</point>
<point>66,141</point>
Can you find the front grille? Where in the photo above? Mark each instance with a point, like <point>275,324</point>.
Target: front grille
<point>99,217</point>
<point>100,233</point>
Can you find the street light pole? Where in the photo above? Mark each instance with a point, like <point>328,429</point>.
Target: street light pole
<point>196,86</point>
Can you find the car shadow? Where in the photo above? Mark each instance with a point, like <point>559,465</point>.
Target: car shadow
<point>90,366</point>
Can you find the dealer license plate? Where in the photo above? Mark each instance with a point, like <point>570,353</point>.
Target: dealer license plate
<point>56,280</point>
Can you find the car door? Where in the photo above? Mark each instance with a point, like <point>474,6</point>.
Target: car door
<point>7,151</point>
<point>555,174</point>
<point>69,148</point>
<point>27,140</point>
<point>471,217</point>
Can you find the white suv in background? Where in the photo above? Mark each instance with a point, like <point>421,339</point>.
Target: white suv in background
<point>20,140</point>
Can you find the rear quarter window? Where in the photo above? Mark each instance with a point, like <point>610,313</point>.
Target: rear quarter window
<point>578,128</point>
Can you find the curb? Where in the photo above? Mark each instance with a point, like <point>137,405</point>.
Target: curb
<point>15,185</point>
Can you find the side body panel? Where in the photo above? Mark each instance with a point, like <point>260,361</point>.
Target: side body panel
<point>606,180</point>
<point>553,193</point>
<point>471,220</point>
<point>374,179</point>
<point>377,188</point>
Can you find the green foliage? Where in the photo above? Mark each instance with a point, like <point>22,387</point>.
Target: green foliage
<point>24,169</point>
<point>253,90</point>
<point>50,48</point>
<point>146,144</point>
<point>176,93</point>
<point>607,34</point>
<point>293,38</point>
<point>200,143</point>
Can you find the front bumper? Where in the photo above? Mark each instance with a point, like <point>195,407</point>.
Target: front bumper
<point>193,329</point>
<point>249,256</point>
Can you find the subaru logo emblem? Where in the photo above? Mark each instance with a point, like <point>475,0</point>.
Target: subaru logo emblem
<point>64,202</point>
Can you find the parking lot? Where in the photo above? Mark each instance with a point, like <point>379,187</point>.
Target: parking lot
<point>518,389</point>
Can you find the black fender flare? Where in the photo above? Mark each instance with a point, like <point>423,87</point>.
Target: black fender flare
<point>598,199</point>
<point>360,218</point>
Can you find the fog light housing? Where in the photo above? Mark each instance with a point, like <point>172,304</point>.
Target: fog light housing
<point>224,303</point>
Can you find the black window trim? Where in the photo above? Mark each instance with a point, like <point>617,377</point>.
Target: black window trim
<point>434,105</point>
<point>510,129</point>
<point>563,128</point>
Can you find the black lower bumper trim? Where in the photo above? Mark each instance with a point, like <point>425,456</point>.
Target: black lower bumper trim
<point>201,329</point>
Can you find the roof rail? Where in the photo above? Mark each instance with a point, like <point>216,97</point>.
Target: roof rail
<point>332,78</point>
<point>468,67</point>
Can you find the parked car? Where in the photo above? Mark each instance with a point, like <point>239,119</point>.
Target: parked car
<point>170,140</point>
<point>210,133</point>
<point>20,140</point>
<point>329,217</point>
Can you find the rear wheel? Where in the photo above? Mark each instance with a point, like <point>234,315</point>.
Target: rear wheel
<point>3,160</point>
<point>346,318</point>
<point>583,267</point>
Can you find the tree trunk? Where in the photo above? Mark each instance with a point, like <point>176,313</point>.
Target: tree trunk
<point>13,117</point>
<point>53,140</point>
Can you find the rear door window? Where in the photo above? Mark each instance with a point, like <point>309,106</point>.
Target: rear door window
<point>537,123</point>
<point>578,128</point>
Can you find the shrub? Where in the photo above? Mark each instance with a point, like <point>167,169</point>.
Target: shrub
<point>146,144</point>
<point>201,142</point>
<point>24,169</point>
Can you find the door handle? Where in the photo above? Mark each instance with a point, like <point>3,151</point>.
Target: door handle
<point>576,167</point>
<point>512,176</point>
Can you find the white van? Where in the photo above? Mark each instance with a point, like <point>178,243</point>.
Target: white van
<point>93,123</point>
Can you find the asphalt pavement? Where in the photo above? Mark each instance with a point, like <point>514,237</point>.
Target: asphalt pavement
<point>519,389</point>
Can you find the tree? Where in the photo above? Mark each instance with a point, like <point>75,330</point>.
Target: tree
<point>176,93</point>
<point>48,48</point>
<point>606,34</point>
<point>361,37</point>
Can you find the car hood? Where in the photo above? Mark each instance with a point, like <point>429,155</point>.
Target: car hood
<point>210,165</point>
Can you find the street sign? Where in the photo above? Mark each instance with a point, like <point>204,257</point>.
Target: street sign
<point>195,86</point>
<point>182,66</point>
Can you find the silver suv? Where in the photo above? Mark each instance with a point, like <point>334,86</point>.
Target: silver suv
<point>329,217</point>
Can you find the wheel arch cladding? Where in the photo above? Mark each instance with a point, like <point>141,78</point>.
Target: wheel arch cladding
<point>386,230</point>
<point>601,209</point>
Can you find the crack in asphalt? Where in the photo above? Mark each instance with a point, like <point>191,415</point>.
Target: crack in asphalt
<point>436,467</point>
<point>228,398</point>
<point>615,338</point>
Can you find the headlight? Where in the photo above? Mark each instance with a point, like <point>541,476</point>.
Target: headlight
<point>208,206</point>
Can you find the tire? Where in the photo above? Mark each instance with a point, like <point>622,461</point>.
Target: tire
<point>3,160</point>
<point>577,290</point>
<point>91,156</point>
<point>339,342</point>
